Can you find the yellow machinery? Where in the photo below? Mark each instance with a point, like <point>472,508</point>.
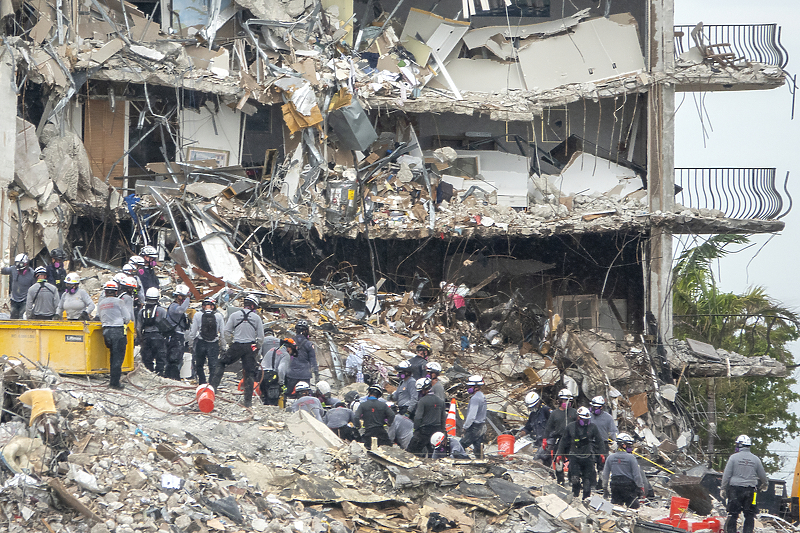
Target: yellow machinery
<point>66,346</point>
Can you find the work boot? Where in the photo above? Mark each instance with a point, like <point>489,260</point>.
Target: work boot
<point>248,392</point>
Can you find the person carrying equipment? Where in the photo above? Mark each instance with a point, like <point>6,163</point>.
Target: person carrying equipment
<point>56,273</point>
<point>475,423</point>
<point>176,315</point>
<point>555,428</point>
<point>743,476</point>
<point>113,315</point>
<point>207,339</point>
<point>580,444</point>
<point>429,417</point>
<point>150,329</point>
<point>374,415</point>
<point>43,298</point>
<point>304,363</point>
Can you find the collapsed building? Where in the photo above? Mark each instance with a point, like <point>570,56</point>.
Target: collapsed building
<point>522,151</point>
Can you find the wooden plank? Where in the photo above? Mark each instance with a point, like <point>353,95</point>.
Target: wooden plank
<point>65,496</point>
<point>484,283</point>
<point>104,138</point>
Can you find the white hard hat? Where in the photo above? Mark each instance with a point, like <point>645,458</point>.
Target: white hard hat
<point>152,294</point>
<point>302,386</point>
<point>119,276</point>
<point>181,290</point>
<point>624,438</point>
<point>583,412</point>
<point>437,438</point>
<point>598,401</point>
<point>72,277</point>
<point>475,381</point>
<point>323,387</point>
<point>424,383</point>
<point>532,399</point>
<point>743,440</point>
<point>21,258</point>
<point>564,394</point>
<point>433,366</point>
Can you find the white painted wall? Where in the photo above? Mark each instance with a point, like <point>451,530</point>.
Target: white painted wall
<point>197,131</point>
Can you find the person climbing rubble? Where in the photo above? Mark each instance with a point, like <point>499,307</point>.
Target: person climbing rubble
<point>22,279</point>
<point>627,484</point>
<point>341,420</point>
<point>402,429</point>
<point>374,415</point>
<point>176,315</point>
<point>75,301</point>
<point>147,274</point>
<point>114,316</point>
<point>419,361</point>
<point>605,424</point>
<point>274,366</point>
<point>429,416</point>
<point>43,298</point>
<point>405,396</point>
<point>245,333</point>
<point>56,273</point>
<point>207,339</point>
<point>304,363</point>
<point>537,419</point>
<point>580,445</point>
<point>446,446</point>
<point>152,343</point>
<point>556,426</point>
<point>744,475</point>
<point>434,369</point>
<point>475,422</point>
<point>306,401</point>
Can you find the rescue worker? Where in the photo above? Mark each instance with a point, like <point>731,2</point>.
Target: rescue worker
<point>147,273</point>
<point>274,366</point>
<point>306,401</point>
<point>176,316</point>
<point>419,361</point>
<point>607,426</point>
<point>152,344</point>
<point>475,423</point>
<point>139,267</point>
<point>446,446</point>
<point>627,483</point>
<point>433,370</point>
<point>42,300</point>
<point>302,365</point>
<point>324,394</point>
<point>537,419</point>
<point>113,315</point>
<point>342,420</point>
<point>405,396</point>
<point>206,339</point>
<point>556,426</point>
<point>429,417</point>
<point>75,301</point>
<point>245,331</point>
<point>56,273</point>
<point>22,279</point>
<point>127,286</point>
<point>743,476</point>
<point>374,414</point>
<point>138,293</point>
<point>402,429</point>
<point>580,444</point>
<point>270,340</point>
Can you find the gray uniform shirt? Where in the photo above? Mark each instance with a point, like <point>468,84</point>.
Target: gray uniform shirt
<point>606,424</point>
<point>128,299</point>
<point>339,417</point>
<point>406,393</point>
<point>438,390</point>
<point>113,312</point>
<point>160,313</point>
<point>20,282</point>
<point>401,431</point>
<point>246,331</point>
<point>310,404</point>
<point>75,304</point>
<point>42,299</point>
<point>197,322</point>
<point>476,411</point>
<point>175,313</point>
<point>622,463</point>
<point>281,365</point>
<point>743,470</point>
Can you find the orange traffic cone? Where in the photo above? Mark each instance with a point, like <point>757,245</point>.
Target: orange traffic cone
<point>450,424</point>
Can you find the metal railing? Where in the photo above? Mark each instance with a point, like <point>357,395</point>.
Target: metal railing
<point>760,43</point>
<point>738,192</point>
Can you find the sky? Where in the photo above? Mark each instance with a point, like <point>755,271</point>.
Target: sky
<point>750,129</point>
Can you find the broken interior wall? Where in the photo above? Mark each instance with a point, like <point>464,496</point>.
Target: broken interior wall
<point>210,132</point>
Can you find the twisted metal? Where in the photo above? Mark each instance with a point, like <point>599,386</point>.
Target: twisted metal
<point>743,193</point>
<point>760,43</point>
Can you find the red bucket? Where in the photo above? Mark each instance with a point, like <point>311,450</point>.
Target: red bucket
<point>205,398</point>
<point>505,445</point>
<point>678,507</point>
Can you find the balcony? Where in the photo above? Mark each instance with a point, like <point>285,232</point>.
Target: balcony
<point>729,57</point>
<point>740,193</point>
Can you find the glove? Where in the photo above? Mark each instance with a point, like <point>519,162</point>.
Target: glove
<point>544,443</point>
<point>602,459</point>
<point>85,316</point>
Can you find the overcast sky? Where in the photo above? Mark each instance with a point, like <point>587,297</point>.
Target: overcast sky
<point>751,129</point>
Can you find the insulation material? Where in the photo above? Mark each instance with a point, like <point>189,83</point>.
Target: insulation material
<point>217,131</point>
<point>222,262</point>
<point>597,49</point>
<point>586,174</point>
<point>105,136</point>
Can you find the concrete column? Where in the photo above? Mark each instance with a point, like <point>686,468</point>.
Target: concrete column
<point>661,161</point>
<point>8,142</point>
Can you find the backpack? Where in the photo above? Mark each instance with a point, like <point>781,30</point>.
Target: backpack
<point>269,383</point>
<point>208,326</point>
<point>151,317</point>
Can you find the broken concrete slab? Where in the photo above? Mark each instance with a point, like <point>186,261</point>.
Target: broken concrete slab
<point>304,425</point>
